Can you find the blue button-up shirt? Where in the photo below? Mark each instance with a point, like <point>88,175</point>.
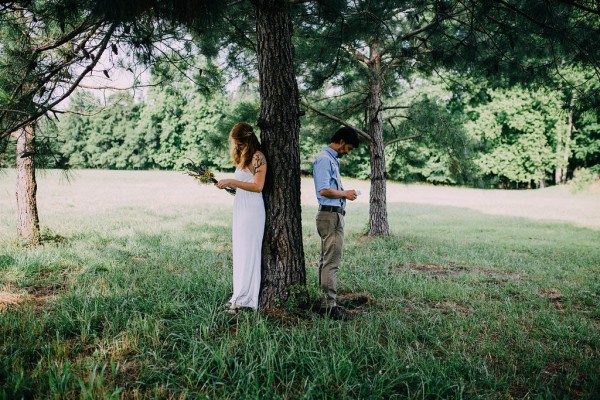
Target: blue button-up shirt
<point>326,174</point>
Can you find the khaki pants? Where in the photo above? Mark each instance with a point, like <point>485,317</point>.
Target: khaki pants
<point>330,226</point>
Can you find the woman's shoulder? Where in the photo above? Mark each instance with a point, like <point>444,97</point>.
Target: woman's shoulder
<point>258,160</point>
<point>259,156</point>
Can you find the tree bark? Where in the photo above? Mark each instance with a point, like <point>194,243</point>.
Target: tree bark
<point>378,218</point>
<point>28,224</point>
<point>283,253</point>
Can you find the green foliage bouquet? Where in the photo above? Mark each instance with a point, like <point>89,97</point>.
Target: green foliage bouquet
<point>204,175</point>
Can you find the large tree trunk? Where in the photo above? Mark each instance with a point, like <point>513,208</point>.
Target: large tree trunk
<point>378,218</point>
<point>28,224</point>
<point>283,252</point>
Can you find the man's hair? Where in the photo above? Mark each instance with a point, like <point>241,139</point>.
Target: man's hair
<point>348,135</point>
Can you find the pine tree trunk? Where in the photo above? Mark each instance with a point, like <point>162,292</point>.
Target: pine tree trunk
<point>283,252</point>
<point>378,219</point>
<point>28,224</point>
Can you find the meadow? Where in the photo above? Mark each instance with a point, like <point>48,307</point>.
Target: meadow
<point>476,294</point>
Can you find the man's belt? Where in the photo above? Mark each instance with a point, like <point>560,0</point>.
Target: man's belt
<point>339,210</point>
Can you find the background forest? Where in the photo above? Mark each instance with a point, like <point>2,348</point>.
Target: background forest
<point>461,131</point>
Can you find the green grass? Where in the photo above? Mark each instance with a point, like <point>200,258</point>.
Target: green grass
<point>128,303</point>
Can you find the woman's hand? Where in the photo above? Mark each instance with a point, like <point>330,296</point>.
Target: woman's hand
<point>223,183</point>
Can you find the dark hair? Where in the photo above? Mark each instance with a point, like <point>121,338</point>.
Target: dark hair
<point>346,134</point>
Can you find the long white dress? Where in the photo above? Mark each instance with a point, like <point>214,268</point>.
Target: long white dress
<point>248,230</point>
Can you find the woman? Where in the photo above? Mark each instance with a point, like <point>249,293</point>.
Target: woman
<point>248,215</point>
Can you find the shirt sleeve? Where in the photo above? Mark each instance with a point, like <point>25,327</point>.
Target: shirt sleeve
<point>322,174</point>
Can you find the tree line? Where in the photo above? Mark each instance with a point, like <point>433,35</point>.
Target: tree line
<point>510,137</point>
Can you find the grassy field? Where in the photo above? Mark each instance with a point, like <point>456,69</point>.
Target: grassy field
<point>477,294</point>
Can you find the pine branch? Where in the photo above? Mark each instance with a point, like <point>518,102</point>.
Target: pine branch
<point>357,54</point>
<point>340,121</point>
<point>420,30</point>
<point>122,88</point>
<point>85,25</point>
<point>241,33</point>
<point>396,116</point>
<point>394,107</point>
<point>41,111</point>
<point>581,6</point>
<point>400,139</point>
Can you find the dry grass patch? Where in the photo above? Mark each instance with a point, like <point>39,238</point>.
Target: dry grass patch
<point>39,295</point>
<point>8,299</point>
<point>447,307</point>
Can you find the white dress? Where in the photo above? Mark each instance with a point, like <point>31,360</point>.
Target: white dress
<point>248,230</point>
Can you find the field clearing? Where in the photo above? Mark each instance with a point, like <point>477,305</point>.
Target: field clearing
<point>479,294</point>
<point>95,191</point>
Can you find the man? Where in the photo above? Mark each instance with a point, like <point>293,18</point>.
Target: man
<point>330,217</point>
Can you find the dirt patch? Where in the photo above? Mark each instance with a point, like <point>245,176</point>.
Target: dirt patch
<point>10,299</point>
<point>501,275</point>
<point>551,294</point>
<point>38,295</point>
<point>433,269</point>
<point>304,312</point>
<point>453,269</point>
<point>45,291</point>
<point>42,294</point>
<point>353,301</point>
<point>285,316</point>
<point>555,297</point>
<point>365,238</point>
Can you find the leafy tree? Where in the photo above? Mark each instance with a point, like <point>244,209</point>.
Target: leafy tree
<point>283,255</point>
<point>525,132</point>
<point>516,131</point>
<point>74,129</point>
<point>578,143</point>
<point>366,47</point>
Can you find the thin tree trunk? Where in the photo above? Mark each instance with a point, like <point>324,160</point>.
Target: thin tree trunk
<point>560,175</point>
<point>283,253</point>
<point>559,150</point>
<point>28,224</point>
<point>568,135</point>
<point>378,218</point>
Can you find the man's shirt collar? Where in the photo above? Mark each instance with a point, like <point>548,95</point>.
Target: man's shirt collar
<point>331,151</point>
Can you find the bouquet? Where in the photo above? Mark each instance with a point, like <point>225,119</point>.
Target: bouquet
<point>204,175</point>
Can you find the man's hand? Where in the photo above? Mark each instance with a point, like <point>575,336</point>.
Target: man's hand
<point>350,194</point>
